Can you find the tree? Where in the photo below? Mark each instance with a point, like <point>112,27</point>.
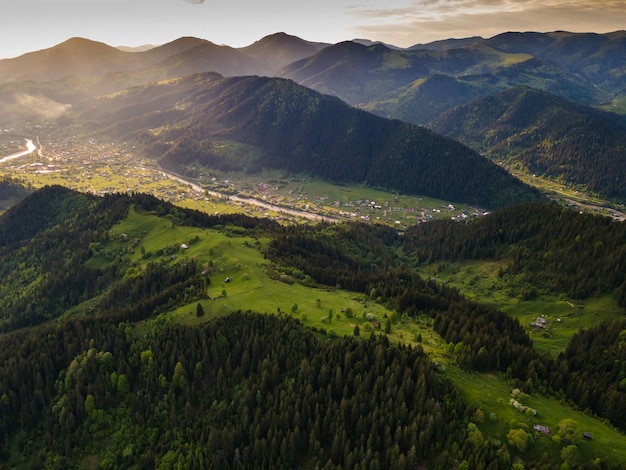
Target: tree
<point>570,455</point>
<point>199,310</point>
<point>474,435</point>
<point>569,432</point>
<point>357,331</point>
<point>123,387</point>
<point>90,404</point>
<point>180,377</point>
<point>518,438</point>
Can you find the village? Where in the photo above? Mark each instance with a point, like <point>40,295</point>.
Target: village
<point>84,163</point>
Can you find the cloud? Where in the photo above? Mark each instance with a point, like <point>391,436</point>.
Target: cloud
<point>426,20</point>
<point>37,105</point>
<point>195,2</point>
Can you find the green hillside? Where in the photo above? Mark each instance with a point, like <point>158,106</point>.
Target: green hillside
<point>149,359</point>
<point>425,99</point>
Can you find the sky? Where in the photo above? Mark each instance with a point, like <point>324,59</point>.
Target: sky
<point>30,25</point>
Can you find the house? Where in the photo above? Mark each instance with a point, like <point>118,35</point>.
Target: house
<point>587,436</point>
<point>227,279</point>
<point>184,246</point>
<point>542,429</point>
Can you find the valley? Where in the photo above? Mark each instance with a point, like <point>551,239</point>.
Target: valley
<point>85,164</point>
<point>93,165</point>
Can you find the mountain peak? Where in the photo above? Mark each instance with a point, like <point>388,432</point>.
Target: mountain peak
<point>280,49</point>
<point>80,45</point>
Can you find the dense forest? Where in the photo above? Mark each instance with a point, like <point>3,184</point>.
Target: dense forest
<point>114,383</point>
<point>11,189</point>
<point>545,246</point>
<point>246,391</point>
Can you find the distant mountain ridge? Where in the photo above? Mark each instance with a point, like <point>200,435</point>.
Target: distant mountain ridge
<point>369,75</point>
<point>279,49</point>
<point>586,68</point>
<point>85,58</point>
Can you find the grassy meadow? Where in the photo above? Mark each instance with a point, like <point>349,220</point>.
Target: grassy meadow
<point>479,280</point>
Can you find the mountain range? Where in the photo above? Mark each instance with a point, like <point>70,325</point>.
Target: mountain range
<point>425,84</point>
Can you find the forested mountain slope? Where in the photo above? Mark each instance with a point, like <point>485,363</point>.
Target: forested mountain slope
<point>289,127</point>
<point>245,390</point>
<point>547,248</point>
<point>552,247</point>
<point>547,135</point>
<point>425,99</point>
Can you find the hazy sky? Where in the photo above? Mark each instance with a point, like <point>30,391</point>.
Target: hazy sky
<point>28,25</point>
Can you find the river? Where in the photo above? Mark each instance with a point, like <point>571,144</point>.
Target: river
<point>30,148</point>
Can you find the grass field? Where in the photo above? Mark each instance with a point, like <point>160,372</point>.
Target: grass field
<point>564,317</point>
<point>491,393</point>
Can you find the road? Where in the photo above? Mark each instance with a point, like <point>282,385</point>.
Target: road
<point>253,202</point>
